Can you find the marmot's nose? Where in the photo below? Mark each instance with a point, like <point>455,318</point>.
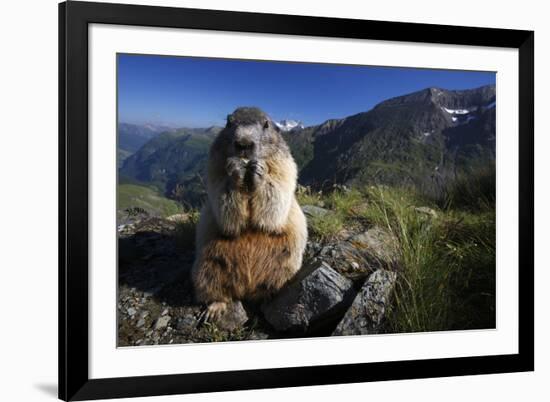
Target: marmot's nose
<point>244,145</point>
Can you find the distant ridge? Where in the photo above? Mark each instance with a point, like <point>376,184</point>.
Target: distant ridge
<point>424,135</point>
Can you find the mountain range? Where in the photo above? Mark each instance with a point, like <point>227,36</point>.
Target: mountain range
<point>131,137</point>
<point>401,139</point>
<point>425,135</point>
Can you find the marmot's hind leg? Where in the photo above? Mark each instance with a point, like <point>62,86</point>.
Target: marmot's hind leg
<point>212,281</point>
<point>215,281</point>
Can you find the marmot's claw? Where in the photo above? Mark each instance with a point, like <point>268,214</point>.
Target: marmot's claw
<point>236,169</point>
<point>257,168</point>
<point>212,312</point>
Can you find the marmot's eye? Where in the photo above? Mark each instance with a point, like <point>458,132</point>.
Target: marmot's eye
<point>266,124</point>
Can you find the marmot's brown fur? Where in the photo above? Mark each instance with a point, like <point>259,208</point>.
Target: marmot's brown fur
<point>252,232</point>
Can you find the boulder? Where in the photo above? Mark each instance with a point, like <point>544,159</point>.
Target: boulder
<point>378,243</point>
<point>312,211</point>
<point>318,296</point>
<point>162,322</point>
<point>368,309</point>
<point>234,317</point>
<point>360,254</point>
<point>178,218</point>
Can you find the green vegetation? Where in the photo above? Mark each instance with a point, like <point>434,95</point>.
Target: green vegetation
<point>325,227</point>
<point>306,196</point>
<point>211,333</point>
<point>132,196</point>
<point>447,278</point>
<point>344,207</point>
<point>446,249</point>
<point>473,189</point>
<point>345,203</point>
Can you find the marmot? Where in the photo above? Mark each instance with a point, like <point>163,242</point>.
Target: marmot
<point>252,233</point>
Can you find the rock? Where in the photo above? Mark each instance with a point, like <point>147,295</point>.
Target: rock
<point>186,323</point>
<point>427,211</point>
<point>164,312</point>
<point>378,244</point>
<point>152,291</point>
<point>131,311</point>
<point>258,336</point>
<point>345,258</point>
<point>314,298</point>
<point>178,218</point>
<point>162,322</point>
<point>140,323</point>
<point>234,317</point>
<point>369,307</point>
<point>311,211</point>
<point>359,255</point>
<point>341,187</point>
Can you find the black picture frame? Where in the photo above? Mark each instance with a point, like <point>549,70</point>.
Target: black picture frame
<point>74,18</point>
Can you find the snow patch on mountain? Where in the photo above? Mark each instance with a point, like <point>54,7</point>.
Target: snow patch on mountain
<point>456,111</point>
<point>289,125</point>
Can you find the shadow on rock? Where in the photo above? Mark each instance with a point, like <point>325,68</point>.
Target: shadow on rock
<point>152,259</point>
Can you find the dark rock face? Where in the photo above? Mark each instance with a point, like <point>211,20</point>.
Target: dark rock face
<point>367,312</point>
<point>316,297</point>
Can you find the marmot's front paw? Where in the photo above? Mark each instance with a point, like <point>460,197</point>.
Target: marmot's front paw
<point>257,167</point>
<point>236,169</point>
<point>256,172</point>
<point>213,312</point>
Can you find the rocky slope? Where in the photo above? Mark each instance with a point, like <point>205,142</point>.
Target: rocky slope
<point>343,288</point>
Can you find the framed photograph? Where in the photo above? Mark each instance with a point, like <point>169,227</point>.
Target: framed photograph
<point>258,200</point>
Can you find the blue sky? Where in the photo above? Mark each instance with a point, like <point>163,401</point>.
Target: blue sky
<point>200,92</point>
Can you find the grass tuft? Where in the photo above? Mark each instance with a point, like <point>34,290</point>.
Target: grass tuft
<point>446,277</point>
<point>327,227</point>
<point>447,264</point>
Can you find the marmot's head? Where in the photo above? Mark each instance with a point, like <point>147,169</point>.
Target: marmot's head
<point>250,134</point>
